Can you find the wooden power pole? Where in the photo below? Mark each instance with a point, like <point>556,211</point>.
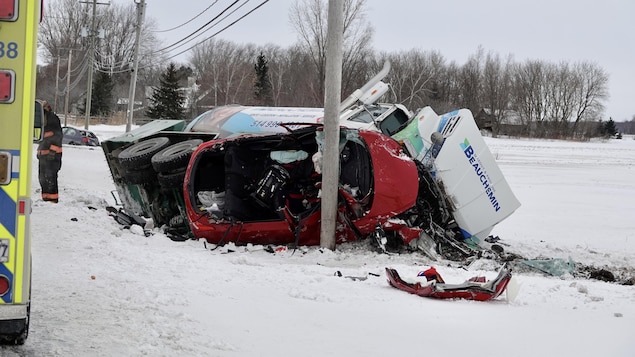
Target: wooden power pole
<point>133,76</point>
<point>57,81</point>
<point>91,60</point>
<point>68,85</point>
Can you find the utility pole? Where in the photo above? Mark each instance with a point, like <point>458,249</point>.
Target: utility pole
<point>57,81</point>
<point>332,100</point>
<point>68,85</point>
<point>133,76</point>
<point>91,56</point>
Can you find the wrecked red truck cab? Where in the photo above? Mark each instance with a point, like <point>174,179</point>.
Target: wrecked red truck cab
<point>265,189</point>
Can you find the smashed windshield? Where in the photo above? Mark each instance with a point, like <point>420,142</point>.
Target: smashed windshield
<point>368,114</point>
<point>393,122</point>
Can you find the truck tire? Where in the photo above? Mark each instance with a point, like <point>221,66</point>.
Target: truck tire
<point>171,179</point>
<point>175,157</point>
<point>140,154</point>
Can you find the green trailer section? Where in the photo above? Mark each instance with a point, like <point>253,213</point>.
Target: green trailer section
<point>146,131</point>
<point>142,190</point>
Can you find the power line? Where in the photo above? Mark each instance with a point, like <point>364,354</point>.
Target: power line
<point>187,22</point>
<point>199,29</point>
<point>77,80</point>
<point>221,30</point>
<point>79,77</point>
<point>208,29</point>
<point>191,47</point>
<point>81,65</point>
<point>176,44</point>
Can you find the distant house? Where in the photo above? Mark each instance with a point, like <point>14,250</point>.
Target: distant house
<point>484,119</point>
<point>510,123</point>
<point>122,105</point>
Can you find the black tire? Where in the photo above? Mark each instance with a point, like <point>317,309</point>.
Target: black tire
<point>21,338</point>
<point>171,179</point>
<point>140,177</point>
<point>175,157</point>
<point>140,154</point>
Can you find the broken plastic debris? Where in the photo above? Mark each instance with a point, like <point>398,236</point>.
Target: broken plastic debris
<point>554,267</point>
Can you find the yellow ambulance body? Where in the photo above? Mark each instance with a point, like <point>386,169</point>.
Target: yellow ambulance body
<point>19,20</point>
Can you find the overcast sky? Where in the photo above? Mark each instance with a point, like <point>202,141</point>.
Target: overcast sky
<point>602,32</point>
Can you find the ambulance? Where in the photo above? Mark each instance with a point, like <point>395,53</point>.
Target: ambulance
<point>21,119</point>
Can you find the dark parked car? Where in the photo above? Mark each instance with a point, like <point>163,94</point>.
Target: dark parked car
<point>73,136</point>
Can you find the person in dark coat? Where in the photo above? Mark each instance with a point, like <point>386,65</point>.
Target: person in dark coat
<point>49,154</point>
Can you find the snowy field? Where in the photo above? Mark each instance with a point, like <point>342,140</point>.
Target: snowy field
<point>100,290</point>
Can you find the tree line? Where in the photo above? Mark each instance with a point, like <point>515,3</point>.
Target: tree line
<point>529,98</point>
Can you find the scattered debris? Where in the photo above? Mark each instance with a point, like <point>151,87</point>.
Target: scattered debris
<point>355,278</point>
<point>125,218</point>
<point>429,283</point>
<point>602,274</point>
<point>553,267</point>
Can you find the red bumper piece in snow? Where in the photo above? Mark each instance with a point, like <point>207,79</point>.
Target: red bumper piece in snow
<point>473,289</point>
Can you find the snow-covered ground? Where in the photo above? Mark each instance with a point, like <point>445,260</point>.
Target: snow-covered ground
<point>100,290</point>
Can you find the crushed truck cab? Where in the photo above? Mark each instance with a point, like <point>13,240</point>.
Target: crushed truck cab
<point>462,168</point>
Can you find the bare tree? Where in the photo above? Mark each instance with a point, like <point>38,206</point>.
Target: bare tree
<point>240,75</point>
<point>64,34</point>
<point>309,18</point>
<point>287,72</point>
<point>445,90</point>
<point>591,93</point>
<point>300,86</point>
<point>61,28</point>
<point>496,89</point>
<point>225,71</point>
<point>471,81</point>
<point>206,60</point>
<point>412,73</point>
<point>278,62</point>
<point>553,100</point>
<point>116,49</point>
<point>529,83</point>
<point>357,40</point>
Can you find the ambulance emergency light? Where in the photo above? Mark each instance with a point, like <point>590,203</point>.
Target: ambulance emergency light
<point>8,10</point>
<point>7,86</point>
